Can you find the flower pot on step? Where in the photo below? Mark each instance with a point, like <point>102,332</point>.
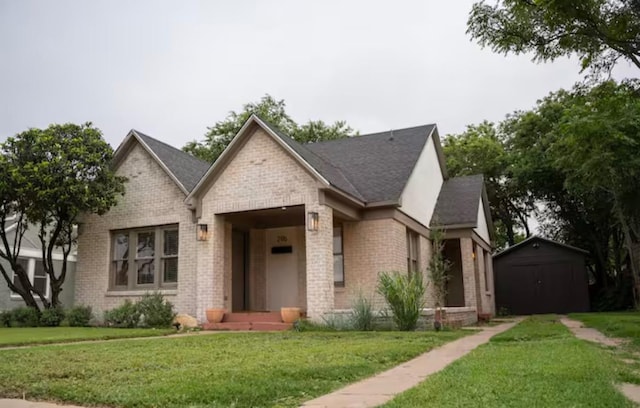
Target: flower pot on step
<point>215,315</point>
<point>290,314</point>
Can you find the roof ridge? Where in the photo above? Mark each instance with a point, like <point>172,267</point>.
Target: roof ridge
<point>367,135</point>
<point>144,135</point>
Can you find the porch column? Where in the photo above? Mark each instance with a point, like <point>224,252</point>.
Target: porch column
<point>319,247</point>
<point>468,273</point>
<point>482,282</point>
<point>488,264</point>
<point>210,268</point>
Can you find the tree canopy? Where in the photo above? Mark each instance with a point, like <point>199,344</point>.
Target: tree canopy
<point>599,32</point>
<point>273,111</point>
<point>49,178</point>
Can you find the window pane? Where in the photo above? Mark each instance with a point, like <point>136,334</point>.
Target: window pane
<point>40,284</point>
<point>146,271</point>
<point>122,273</point>
<point>337,240</point>
<point>170,270</point>
<point>24,263</point>
<point>338,269</point>
<point>171,242</point>
<point>121,246</point>
<point>146,244</point>
<point>39,270</point>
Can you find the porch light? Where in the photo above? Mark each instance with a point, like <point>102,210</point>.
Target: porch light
<point>313,220</point>
<point>203,232</point>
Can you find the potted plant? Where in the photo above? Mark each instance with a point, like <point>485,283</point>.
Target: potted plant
<point>290,314</point>
<point>215,315</point>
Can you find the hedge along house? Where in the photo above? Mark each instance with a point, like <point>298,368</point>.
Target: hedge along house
<point>273,223</point>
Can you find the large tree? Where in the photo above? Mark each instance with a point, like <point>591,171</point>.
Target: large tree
<point>599,32</point>
<point>50,177</point>
<point>220,135</point>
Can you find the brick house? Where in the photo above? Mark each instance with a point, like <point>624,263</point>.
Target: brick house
<point>273,223</point>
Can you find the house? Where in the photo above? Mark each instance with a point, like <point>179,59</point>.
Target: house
<point>273,223</point>
<point>538,275</point>
<point>30,257</point>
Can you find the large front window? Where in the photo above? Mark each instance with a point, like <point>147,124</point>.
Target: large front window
<point>145,258</point>
<point>412,252</point>
<point>36,273</point>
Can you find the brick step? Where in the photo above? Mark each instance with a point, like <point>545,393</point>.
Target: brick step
<point>273,317</point>
<point>246,326</point>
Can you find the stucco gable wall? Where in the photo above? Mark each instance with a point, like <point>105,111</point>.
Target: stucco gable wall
<point>151,199</point>
<point>421,192</point>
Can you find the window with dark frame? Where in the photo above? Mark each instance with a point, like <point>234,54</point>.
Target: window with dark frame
<point>338,257</point>
<point>155,258</point>
<point>412,252</point>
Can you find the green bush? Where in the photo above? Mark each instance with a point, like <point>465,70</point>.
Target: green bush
<point>26,317</point>
<point>79,316</point>
<point>51,317</point>
<point>6,318</point>
<point>155,311</point>
<point>125,315</point>
<point>404,294</point>
<point>363,315</point>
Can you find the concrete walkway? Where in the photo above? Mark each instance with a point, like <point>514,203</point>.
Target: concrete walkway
<point>381,388</point>
<point>16,403</point>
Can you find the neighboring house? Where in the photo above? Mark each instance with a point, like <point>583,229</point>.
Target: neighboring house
<point>30,257</point>
<point>541,276</point>
<point>273,223</point>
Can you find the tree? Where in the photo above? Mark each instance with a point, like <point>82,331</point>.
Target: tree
<point>50,178</point>
<point>438,273</point>
<point>599,32</point>
<point>220,135</point>
<point>482,149</point>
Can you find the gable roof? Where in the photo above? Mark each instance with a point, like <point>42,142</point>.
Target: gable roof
<point>458,202</point>
<point>533,238</point>
<point>184,169</point>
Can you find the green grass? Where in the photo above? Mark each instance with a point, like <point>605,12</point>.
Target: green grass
<point>538,363</point>
<point>218,370</point>
<point>624,325</point>
<point>21,336</point>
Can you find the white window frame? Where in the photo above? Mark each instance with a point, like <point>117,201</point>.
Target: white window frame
<point>132,258</point>
<point>31,270</point>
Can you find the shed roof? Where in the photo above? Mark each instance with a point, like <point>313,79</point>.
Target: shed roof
<point>534,238</point>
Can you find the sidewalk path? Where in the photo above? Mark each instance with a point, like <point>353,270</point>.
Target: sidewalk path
<point>381,388</point>
<point>16,403</point>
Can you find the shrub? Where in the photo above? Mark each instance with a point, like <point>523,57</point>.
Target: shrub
<point>155,311</point>
<point>51,317</point>
<point>125,315</point>
<point>79,316</point>
<point>404,295</point>
<point>6,318</point>
<point>363,315</point>
<point>26,316</point>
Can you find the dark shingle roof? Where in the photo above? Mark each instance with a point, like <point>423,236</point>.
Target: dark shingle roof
<point>186,168</point>
<point>458,201</point>
<point>373,168</point>
<point>540,239</point>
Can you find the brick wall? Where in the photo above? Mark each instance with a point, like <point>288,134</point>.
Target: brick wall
<point>151,199</point>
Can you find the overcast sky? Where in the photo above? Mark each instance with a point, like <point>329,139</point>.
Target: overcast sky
<point>172,68</point>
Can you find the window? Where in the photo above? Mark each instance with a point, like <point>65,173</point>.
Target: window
<point>412,251</point>
<point>338,257</point>
<point>37,275</point>
<point>155,258</point>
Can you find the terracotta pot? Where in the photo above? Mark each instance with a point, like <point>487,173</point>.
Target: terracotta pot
<point>290,314</point>
<point>215,315</point>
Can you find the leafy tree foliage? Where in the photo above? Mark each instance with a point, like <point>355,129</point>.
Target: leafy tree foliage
<point>220,135</point>
<point>599,32</point>
<point>482,149</point>
<point>49,178</point>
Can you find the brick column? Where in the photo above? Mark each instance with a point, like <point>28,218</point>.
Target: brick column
<point>484,303</point>
<point>468,272</point>
<point>491,288</point>
<point>210,268</point>
<point>319,254</point>
<point>426,250</point>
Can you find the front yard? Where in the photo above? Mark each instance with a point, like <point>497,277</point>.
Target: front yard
<point>216,370</point>
<point>20,336</point>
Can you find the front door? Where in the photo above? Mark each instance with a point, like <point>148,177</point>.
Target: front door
<point>282,268</point>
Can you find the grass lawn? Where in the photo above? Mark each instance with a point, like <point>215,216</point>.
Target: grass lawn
<point>624,325</point>
<point>19,336</point>
<point>536,364</point>
<point>218,370</point>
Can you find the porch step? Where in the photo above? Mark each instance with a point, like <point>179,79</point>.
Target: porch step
<point>246,326</point>
<point>270,317</point>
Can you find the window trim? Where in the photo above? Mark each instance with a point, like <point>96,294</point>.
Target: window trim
<point>132,259</point>
<point>31,270</point>
<point>413,251</point>
<point>338,284</point>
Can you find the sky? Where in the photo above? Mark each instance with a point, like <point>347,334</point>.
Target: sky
<point>172,68</point>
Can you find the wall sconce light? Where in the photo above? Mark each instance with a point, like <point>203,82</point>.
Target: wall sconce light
<point>313,219</point>
<point>203,232</point>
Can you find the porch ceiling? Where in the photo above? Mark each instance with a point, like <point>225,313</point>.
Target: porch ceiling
<point>268,218</point>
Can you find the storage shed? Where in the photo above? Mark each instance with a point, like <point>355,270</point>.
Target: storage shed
<point>541,276</point>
